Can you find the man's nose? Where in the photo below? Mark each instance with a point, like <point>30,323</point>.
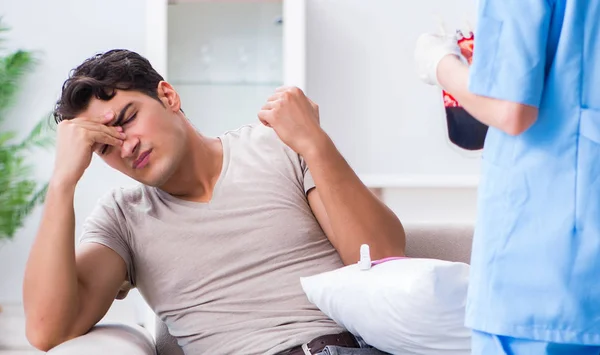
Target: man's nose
<point>129,147</point>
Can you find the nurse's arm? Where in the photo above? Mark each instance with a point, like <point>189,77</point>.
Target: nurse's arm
<point>511,117</point>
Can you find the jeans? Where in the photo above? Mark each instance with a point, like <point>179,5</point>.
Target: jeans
<point>365,349</point>
<point>337,350</point>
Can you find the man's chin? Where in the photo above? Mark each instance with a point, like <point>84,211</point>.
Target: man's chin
<point>156,182</point>
<point>149,178</point>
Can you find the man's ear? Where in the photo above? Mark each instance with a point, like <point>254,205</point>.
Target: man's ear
<point>168,96</point>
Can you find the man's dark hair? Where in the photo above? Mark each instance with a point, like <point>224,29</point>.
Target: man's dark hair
<point>100,76</point>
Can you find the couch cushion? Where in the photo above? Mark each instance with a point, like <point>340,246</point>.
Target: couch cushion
<point>109,339</point>
<point>446,242</point>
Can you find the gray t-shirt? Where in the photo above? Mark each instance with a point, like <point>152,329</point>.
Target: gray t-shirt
<point>224,275</point>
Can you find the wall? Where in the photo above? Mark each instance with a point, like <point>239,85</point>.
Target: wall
<point>432,205</point>
<point>63,33</point>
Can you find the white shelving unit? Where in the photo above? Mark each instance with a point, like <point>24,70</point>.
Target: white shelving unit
<point>225,58</point>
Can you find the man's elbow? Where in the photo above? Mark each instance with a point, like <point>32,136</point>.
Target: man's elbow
<point>39,338</point>
<point>392,245</point>
<point>43,337</point>
<point>517,118</point>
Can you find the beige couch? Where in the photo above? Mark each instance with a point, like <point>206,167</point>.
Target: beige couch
<point>449,242</point>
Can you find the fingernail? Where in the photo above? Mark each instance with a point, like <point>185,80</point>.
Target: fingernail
<point>109,114</point>
<point>123,135</point>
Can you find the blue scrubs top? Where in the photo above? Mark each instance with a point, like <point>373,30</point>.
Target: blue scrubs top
<point>536,252</point>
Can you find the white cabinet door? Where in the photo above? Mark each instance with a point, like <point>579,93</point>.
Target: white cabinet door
<point>294,43</point>
<point>156,34</point>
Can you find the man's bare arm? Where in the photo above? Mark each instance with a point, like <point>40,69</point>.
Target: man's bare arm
<point>348,212</point>
<point>65,294</point>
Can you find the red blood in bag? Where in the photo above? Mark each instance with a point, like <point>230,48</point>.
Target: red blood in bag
<point>463,129</point>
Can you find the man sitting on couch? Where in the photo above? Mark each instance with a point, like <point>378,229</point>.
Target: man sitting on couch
<point>217,233</point>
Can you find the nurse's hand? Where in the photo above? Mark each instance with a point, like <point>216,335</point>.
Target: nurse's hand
<point>430,50</point>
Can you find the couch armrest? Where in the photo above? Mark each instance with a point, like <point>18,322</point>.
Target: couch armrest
<point>109,339</point>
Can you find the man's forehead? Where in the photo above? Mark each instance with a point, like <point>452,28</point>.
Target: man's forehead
<point>98,108</point>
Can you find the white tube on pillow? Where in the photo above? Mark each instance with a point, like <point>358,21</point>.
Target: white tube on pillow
<point>365,257</point>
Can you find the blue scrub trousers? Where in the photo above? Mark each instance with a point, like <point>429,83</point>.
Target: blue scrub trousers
<point>490,344</point>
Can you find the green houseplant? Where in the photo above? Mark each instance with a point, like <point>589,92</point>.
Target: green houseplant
<point>19,191</point>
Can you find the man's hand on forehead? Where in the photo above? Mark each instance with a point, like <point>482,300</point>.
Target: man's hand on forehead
<point>104,119</point>
<point>77,139</point>
<point>108,120</point>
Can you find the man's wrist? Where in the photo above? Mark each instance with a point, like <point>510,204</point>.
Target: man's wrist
<point>62,185</point>
<point>318,148</point>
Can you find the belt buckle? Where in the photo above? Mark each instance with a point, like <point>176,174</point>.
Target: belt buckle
<point>306,349</point>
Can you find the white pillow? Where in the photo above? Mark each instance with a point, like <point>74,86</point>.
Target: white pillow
<point>404,306</point>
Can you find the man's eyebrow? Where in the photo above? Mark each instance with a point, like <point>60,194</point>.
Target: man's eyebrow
<point>122,114</point>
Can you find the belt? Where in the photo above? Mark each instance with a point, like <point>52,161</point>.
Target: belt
<point>345,339</point>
